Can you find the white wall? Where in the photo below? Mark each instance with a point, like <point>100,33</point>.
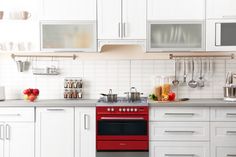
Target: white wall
<point>101,75</point>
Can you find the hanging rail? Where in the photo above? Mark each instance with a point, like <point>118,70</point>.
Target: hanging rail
<point>172,56</point>
<point>44,56</point>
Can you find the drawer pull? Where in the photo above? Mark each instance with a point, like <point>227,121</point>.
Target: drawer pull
<point>8,132</point>
<point>55,109</point>
<point>231,114</point>
<point>179,155</point>
<point>232,155</point>
<point>10,115</point>
<point>190,132</point>
<point>1,132</point>
<point>179,114</point>
<point>231,132</point>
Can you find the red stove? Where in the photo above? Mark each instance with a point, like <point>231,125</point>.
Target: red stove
<point>122,126</point>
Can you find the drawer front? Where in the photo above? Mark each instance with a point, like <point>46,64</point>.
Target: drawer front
<point>16,114</point>
<point>223,114</point>
<point>179,149</point>
<point>181,131</point>
<point>224,151</point>
<point>223,133</point>
<point>179,114</point>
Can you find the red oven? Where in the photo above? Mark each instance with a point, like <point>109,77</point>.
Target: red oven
<point>122,128</point>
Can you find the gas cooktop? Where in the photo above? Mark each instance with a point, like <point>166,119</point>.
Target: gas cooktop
<point>122,101</point>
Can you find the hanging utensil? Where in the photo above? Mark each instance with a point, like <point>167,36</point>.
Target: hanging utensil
<point>175,82</point>
<point>201,79</point>
<point>185,73</point>
<point>192,83</point>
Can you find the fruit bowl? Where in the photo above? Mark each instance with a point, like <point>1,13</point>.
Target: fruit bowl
<point>31,94</point>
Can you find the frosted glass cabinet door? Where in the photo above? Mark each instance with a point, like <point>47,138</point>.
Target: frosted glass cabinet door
<point>176,36</point>
<point>68,36</point>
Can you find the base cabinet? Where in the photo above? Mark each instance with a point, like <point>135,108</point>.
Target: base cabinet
<point>85,132</point>
<point>179,149</point>
<point>55,132</point>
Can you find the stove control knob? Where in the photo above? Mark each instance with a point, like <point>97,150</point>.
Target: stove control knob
<point>124,109</point>
<point>131,109</point>
<point>128,110</point>
<point>120,109</point>
<point>112,109</point>
<point>135,110</point>
<point>108,109</point>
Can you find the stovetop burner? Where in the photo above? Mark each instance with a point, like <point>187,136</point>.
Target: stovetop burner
<point>123,101</point>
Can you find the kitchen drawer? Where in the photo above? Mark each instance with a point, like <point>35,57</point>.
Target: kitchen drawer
<point>179,131</point>
<point>224,151</point>
<point>223,133</point>
<point>122,145</point>
<point>179,149</point>
<point>17,114</point>
<point>223,114</point>
<point>179,114</point>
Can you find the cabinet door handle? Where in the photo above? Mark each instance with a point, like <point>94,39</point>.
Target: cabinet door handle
<point>231,155</point>
<point>230,114</point>
<point>179,155</point>
<point>124,27</point>
<point>55,109</point>
<point>8,132</point>
<point>119,29</point>
<point>169,131</point>
<point>10,115</point>
<point>179,114</point>
<point>86,122</point>
<point>1,132</point>
<point>231,132</point>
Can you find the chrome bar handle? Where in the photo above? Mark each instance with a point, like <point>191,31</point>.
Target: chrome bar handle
<point>9,115</point>
<point>1,132</point>
<point>55,109</point>
<point>179,114</point>
<point>124,28</point>
<point>230,114</point>
<point>8,132</point>
<point>231,155</point>
<point>169,131</point>
<point>119,29</point>
<point>180,155</point>
<point>86,122</point>
<point>231,132</point>
<point>191,155</point>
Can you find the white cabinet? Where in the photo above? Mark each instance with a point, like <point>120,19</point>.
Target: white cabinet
<point>179,149</point>
<point>19,140</point>
<point>176,10</point>
<point>68,9</point>
<point>85,132</point>
<point>121,19</point>
<point>17,132</point>
<point>221,9</point>
<point>55,132</point>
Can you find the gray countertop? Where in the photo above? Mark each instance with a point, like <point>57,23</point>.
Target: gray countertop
<point>92,103</point>
<point>194,103</point>
<point>49,103</point>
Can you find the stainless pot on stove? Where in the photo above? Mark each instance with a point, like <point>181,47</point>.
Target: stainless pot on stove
<point>110,97</point>
<point>133,95</point>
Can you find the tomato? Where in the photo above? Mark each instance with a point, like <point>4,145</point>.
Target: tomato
<point>171,96</point>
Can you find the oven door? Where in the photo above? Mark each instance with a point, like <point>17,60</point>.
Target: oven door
<point>122,128</point>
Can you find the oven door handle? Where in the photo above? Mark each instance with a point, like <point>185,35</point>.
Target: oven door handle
<point>122,118</point>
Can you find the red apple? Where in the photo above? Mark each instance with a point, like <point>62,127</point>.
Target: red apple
<point>27,92</point>
<point>31,90</point>
<point>171,96</point>
<point>36,92</point>
<point>32,97</point>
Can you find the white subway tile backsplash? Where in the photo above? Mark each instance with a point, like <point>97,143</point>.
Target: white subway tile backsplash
<point>119,75</point>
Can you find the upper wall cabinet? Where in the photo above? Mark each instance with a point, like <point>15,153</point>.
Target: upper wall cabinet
<point>176,9</point>
<point>68,9</point>
<point>121,19</point>
<point>221,9</point>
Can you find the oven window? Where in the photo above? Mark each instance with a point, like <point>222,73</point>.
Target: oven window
<point>121,127</point>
